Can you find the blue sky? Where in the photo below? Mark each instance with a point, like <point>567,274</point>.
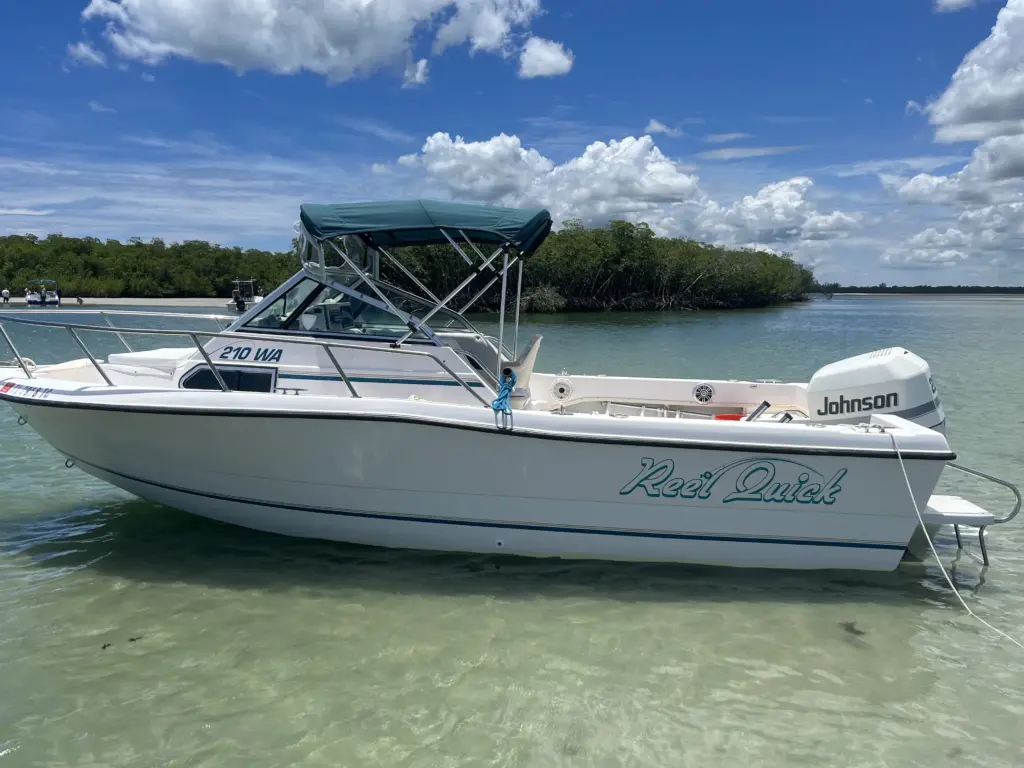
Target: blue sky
<point>856,136</point>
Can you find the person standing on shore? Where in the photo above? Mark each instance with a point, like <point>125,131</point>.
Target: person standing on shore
<point>6,294</point>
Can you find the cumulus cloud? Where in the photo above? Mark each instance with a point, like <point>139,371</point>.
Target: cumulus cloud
<point>778,213</point>
<point>929,249</point>
<point>983,103</point>
<point>628,179</point>
<point>95,106</point>
<point>656,126</point>
<point>497,170</point>
<point>899,258</point>
<point>994,173</point>
<point>953,5</point>
<point>544,58</point>
<point>83,53</point>
<point>985,97</point>
<point>341,40</point>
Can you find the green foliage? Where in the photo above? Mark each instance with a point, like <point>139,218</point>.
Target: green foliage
<point>85,266</point>
<point>625,266</point>
<point>622,266</point>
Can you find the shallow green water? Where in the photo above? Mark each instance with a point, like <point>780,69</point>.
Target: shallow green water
<point>254,650</point>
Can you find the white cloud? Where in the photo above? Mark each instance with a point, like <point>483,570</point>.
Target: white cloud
<point>656,126</point>
<point>953,5</point>
<point>995,173</point>
<point>778,213</point>
<point>893,166</point>
<point>739,153</point>
<point>933,239</point>
<point>492,171</point>
<point>416,73</point>
<point>983,201</point>
<point>725,138</point>
<point>176,189</point>
<point>929,249</point>
<point>147,77</point>
<point>900,258</point>
<point>544,58</point>
<point>628,179</point>
<point>377,129</point>
<point>84,53</point>
<point>341,39</point>
<point>24,212</point>
<point>985,97</point>
<point>95,106</point>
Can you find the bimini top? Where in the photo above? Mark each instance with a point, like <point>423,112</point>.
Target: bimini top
<point>419,222</point>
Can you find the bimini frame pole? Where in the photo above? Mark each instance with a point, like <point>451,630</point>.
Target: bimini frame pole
<point>410,275</point>
<point>501,317</point>
<point>441,305</point>
<point>519,296</point>
<point>483,290</point>
<point>369,281</point>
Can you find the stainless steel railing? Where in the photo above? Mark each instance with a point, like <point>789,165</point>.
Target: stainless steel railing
<point>1005,483</point>
<point>194,336</point>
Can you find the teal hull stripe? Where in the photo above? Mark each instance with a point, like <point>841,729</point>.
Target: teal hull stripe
<point>379,380</point>
<point>505,526</point>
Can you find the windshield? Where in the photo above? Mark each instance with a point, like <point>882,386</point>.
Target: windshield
<point>311,307</point>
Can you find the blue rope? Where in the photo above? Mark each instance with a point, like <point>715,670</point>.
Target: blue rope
<point>501,403</point>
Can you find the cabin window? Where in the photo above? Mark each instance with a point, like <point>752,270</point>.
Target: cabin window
<point>238,379</point>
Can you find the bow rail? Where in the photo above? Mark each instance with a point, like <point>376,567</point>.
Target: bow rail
<point>73,329</point>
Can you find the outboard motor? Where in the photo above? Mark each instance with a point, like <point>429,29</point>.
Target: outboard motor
<point>890,381</point>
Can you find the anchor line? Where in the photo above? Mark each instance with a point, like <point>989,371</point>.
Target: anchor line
<point>931,545</point>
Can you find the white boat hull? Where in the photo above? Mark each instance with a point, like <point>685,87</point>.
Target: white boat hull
<point>426,476</point>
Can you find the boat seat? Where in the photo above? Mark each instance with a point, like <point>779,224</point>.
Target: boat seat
<point>166,360</point>
<point>954,510</point>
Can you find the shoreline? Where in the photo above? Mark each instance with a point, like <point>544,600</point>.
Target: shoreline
<point>70,302</point>
<point>18,302</point>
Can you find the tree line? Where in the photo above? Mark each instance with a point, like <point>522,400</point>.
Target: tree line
<point>622,266</point>
<point>883,288</point>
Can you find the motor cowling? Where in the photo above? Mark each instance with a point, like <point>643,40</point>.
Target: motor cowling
<point>891,381</point>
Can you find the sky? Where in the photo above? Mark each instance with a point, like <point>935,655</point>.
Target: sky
<point>875,141</point>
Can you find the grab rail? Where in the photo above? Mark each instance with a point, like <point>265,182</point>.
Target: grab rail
<point>327,346</point>
<point>997,481</point>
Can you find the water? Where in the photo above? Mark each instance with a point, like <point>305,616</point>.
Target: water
<point>253,650</point>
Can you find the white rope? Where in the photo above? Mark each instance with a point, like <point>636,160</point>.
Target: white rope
<point>931,544</point>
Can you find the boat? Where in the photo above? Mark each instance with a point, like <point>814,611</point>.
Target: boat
<point>38,293</point>
<point>244,295</point>
<point>355,404</point>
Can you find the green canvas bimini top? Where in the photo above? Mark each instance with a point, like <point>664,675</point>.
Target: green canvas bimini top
<point>419,222</point>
